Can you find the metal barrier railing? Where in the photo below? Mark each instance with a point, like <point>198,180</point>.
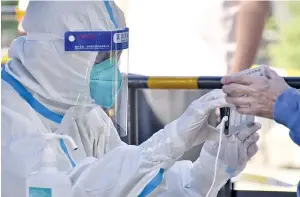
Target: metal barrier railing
<point>144,82</point>
<point>187,82</point>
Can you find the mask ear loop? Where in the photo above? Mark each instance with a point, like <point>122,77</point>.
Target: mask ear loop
<point>224,119</point>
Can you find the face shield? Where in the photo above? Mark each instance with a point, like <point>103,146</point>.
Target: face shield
<point>108,85</point>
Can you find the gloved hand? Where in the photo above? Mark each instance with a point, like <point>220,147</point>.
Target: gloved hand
<point>165,147</point>
<point>236,151</point>
<point>131,168</point>
<point>190,129</point>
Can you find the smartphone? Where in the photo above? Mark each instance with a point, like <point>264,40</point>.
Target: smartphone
<point>236,121</point>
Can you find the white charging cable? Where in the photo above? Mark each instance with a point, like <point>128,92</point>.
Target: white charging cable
<point>224,119</point>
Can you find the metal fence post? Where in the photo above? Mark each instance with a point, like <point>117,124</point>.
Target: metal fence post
<point>133,117</point>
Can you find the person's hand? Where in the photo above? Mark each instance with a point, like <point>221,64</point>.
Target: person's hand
<point>189,130</point>
<point>236,151</point>
<point>195,118</point>
<point>260,92</point>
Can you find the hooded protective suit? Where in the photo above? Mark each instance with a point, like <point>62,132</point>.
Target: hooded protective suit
<point>45,89</point>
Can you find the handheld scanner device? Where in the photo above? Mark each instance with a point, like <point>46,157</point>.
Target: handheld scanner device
<point>237,121</point>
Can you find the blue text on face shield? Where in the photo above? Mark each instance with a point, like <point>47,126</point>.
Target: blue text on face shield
<point>105,82</point>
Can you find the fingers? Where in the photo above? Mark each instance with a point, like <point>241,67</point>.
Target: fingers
<point>250,140</point>
<point>212,100</point>
<point>270,74</point>
<point>254,127</point>
<point>210,96</point>
<point>239,101</point>
<point>244,80</point>
<point>235,89</point>
<point>248,131</point>
<point>252,150</point>
<point>213,95</point>
<point>246,110</point>
<point>218,104</point>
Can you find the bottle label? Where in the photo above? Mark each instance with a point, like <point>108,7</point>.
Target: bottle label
<point>40,192</point>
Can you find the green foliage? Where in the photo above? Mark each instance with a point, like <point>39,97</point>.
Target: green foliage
<point>8,32</point>
<point>286,52</point>
<point>294,7</point>
<point>5,3</point>
<point>271,24</point>
<point>9,25</point>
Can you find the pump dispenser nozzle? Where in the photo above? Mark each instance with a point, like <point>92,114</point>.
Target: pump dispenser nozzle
<point>49,179</point>
<point>53,136</point>
<point>68,138</point>
<point>50,153</point>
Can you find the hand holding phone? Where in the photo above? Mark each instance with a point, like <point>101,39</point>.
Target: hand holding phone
<point>237,121</point>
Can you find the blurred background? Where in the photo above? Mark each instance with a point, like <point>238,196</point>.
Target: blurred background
<point>278,157</point>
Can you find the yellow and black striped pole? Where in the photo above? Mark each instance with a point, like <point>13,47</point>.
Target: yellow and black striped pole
<point>146,82</point>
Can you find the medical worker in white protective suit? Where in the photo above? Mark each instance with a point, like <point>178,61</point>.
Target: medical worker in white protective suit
<point>45,89</point>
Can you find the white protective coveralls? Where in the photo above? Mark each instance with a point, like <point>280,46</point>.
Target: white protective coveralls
<point>43,79</point>
<point>189,179</point>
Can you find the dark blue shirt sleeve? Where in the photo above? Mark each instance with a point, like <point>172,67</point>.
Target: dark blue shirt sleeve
<point>298,190</point>
<point>287,112</point>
